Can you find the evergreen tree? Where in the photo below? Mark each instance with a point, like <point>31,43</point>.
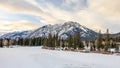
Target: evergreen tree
<point>45,42</point>
<point>99,41</point>
<point>54,41</point>
<point>62,43</point>
<point>77,41</point>
<point>27,41</point>
<point>1,43</point>
<point>39,41</point>
<point>15,42</point>
<point>50,40</point>
<point>58,42</point>
<point>8,41</point>
<point>107,41</point>
<point>36,42</point>
<point>94,47</point>
<point>21,41</point>
<point>70,41</point>
<point>30,42</point>
<point>74,42</point>
<point>91,46</point>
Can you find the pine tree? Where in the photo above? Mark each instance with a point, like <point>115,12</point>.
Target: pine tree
<point>45,42</point>
<point>33,42</point>
<point>23,41</point>
<point>39,41</point>
<point>30,42</point>
<point>74,42</point>
<point>15,42</point>
<point>54,41</point>
<point>62,43</point>
<point>8,42</point>
<point>77,41</point>
<point>91,47</point>
<point>99,41</point>
<point>36,41</point>
<point>1,43</point>
<point>107,41</point>
<point>49,40</point>
<point>94,47</point>
<point>70,41</point>
<point>58,42</point>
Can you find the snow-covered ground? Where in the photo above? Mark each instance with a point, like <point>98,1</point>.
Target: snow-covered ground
<point>35,57</point>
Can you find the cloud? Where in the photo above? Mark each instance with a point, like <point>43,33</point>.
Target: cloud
<point>73,5</point>
<point>91,13</point>
<point>26,7</point>
<point>22,25</point>
<point>95,14</point>
<point>106,7</point>
<point>20,6</point>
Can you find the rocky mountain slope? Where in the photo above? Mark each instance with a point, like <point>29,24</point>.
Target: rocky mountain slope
<point>64,30</point>
<point>15,35</point>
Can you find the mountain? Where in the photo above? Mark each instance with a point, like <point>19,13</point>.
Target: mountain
<point>112,35</point>
<point>116,35</point>
<point>15,35</point>
<point>64,31</point>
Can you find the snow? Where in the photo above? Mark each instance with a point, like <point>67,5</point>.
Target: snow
<point>15,35</point>
<point>112,50</point>
<point>35,57</point>
<point>64,30</point>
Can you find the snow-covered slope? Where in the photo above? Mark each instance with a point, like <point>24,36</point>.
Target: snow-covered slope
<point>14,35</point>
<point>64,30</point>
<point>35,57</point>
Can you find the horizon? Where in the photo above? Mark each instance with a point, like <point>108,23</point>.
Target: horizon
<point>22,15</point>
<point>60,24</point>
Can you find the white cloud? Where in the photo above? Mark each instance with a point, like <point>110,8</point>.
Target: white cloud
<point>7,26</point>
<point>95,14</point>
<point>74,4</point>
<point>26,7</point>
<point>20,6</point>
<point>106,7</point>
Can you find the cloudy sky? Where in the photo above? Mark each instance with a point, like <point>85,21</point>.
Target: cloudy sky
<point>19,15</point>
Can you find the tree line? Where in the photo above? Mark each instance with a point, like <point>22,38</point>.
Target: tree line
<point>107,42</point>
<point>50,41</point>
<point>73,42</point>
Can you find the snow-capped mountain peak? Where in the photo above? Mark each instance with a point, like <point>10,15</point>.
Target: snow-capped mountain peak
<point>64,30</point>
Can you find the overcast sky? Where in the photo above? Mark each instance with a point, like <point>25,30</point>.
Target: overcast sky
<point>19,15</point>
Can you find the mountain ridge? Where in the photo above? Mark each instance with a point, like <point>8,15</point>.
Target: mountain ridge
<point>64,30</point>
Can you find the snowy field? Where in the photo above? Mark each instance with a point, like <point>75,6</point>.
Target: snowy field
<point>35,57</point>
